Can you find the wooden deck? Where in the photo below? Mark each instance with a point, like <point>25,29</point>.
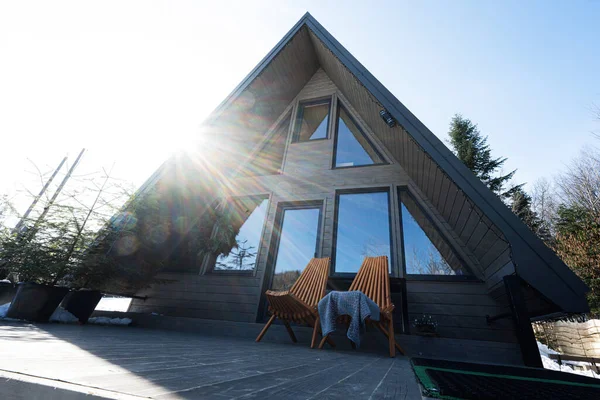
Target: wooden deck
<point>128,361</point>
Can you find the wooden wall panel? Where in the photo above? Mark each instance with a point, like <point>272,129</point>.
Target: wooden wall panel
<point>487,243</point>
<point>446,183</point>
<point>498,263</point>
<point>478,233</point>
<point>448,207</point>
<point>495,280</point>
<point>460,308</point>
<point>459,203</point>
<point>469,226</point>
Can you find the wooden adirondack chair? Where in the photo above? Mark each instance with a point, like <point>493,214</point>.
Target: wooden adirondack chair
<point>299,304</point>
<point>373,280</point>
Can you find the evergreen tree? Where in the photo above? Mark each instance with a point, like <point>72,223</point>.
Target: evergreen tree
<point>471,147</point>
<point>578,245</point>
<point>521,206</point>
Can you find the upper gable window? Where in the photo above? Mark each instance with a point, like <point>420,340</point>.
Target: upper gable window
<point>352,147</point>
<point>313,120</point>
<point>426,252</point>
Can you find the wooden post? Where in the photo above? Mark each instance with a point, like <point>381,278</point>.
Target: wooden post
<point>527,342</point>
<point>405,319</point>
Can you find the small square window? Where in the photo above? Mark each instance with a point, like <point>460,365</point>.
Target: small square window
<point>313,120</point>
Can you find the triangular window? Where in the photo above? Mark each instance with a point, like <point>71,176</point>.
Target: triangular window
<point>352,147</point>
<point>426,252</point>
<point>313,120</point>
<point>269,158</point>
<point>245,217</point>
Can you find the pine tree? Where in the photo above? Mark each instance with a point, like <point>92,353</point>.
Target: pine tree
<point>471,147</point>
<point>521,206</point>
<point>578,245</point>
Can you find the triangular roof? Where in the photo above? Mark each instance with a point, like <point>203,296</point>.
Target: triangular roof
<point>506,245</point>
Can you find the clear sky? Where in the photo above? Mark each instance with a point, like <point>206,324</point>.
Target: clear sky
<point>133,80</point>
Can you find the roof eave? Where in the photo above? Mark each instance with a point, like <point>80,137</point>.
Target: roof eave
<point>512,227</point>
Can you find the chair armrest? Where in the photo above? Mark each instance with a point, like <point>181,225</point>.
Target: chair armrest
<point>388,309</point>
<point>277,292</point>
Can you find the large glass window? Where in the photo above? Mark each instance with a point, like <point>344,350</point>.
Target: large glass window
<point>313,120</point>
<point>426,252</point>
<point>363,229</point>
<point>298,236</point>
<point>245,218</point>
<point>352,148</point>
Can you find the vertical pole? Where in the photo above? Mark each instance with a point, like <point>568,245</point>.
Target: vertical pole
<point>518,308</point>
<point>19,225</point>
<point>405,320</point>
<point>57,192</point>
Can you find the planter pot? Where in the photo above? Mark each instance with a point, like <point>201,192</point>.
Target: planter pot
<point>35,302</point>
<point>425,330</point>
<point>82,303</point>
<point>7,292</point>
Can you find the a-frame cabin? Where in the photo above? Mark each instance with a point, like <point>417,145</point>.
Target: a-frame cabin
<point>317,158</point>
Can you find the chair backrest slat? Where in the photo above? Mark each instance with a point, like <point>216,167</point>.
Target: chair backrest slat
<point>310,286</point>
<point>373,280</point>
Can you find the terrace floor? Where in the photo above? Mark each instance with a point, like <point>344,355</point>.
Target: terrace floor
<point>130,362</point>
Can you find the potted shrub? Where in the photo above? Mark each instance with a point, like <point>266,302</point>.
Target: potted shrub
<point>46,253</point>
<point>425,326</point>
<point>39,260</point>
<point>86,285</point>
<point>7,291</point>
<point>7,288</point>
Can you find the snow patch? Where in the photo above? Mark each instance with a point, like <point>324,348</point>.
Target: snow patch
<point>545,350</point>
<point>565,367</point>
<point>62,315</point>
<point>109,321</point>
<point>4,310</point>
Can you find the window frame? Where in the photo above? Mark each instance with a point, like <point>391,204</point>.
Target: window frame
<point>210,260</point>
<point>339,107</point>
<point>275,236</point>
<point>429,277</point>
<point>300,113</point>
<point>394,271</point>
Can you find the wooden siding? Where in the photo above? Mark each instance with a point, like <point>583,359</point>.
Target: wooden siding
<point>460,308</point>
<point>210,296</point>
